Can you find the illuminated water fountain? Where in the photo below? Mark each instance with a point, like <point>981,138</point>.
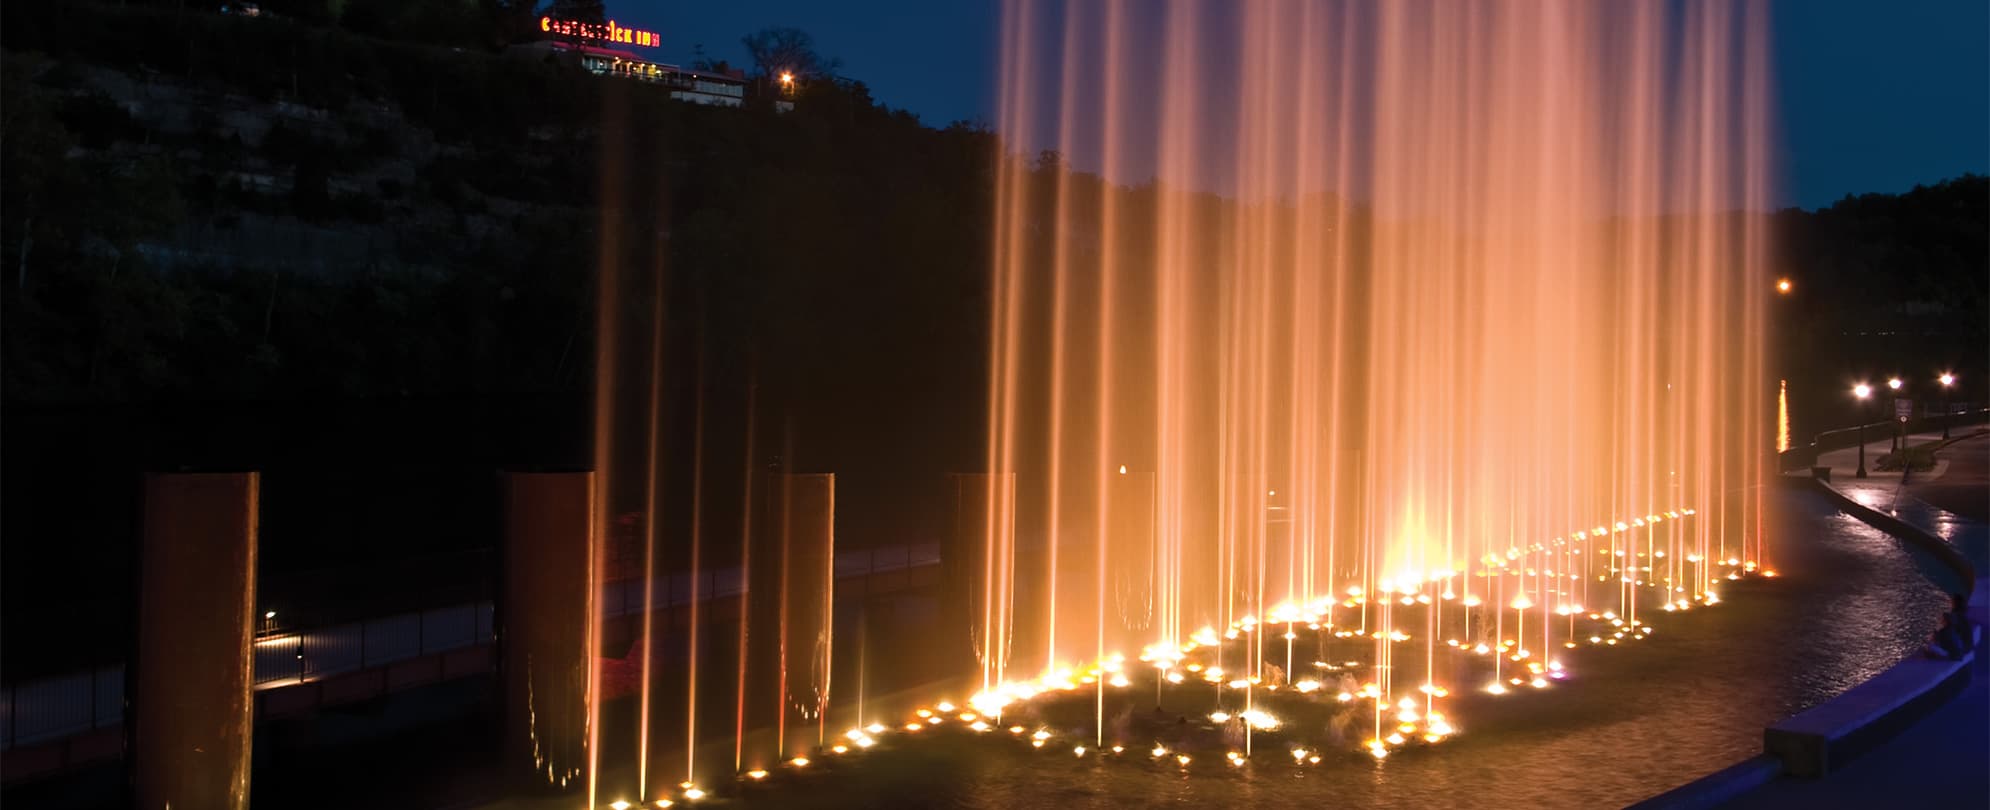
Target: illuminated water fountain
<point>1419,331</point>
<point>1347,359</point>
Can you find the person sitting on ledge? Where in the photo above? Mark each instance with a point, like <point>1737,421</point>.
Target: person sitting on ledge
<point>1955,636</point>
<point>1965,630</point>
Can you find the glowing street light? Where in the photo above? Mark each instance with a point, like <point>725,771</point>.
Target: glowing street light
<point>1784,286</point>
<point>1863,392</point>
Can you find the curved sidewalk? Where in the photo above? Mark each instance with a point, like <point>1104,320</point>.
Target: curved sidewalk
<point>1939,761</point>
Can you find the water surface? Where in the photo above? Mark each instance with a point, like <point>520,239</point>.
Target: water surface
<point>1634,721</point>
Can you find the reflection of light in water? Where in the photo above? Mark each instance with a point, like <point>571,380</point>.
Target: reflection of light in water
<point>1782,415</point>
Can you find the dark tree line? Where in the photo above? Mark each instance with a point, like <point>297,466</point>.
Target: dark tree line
<point>830,258</point>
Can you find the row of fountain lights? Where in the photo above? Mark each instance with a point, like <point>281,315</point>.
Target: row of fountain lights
<point>1496,564</point>
<point>1429,727</point>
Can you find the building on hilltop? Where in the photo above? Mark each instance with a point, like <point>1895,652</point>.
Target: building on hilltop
<point>698,87</point>
<point>592,48</point>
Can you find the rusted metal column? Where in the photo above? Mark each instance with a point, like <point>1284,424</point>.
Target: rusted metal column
<point>806,518</point>
<point>1130,576</point>
<point>547,626</point>
<point>976,564</point>
<point>193,713</point>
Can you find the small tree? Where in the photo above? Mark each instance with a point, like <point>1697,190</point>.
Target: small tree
<point>703,62</point>
<point>775,51</point>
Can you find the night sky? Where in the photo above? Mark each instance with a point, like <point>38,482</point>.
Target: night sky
<point>1875,96</point>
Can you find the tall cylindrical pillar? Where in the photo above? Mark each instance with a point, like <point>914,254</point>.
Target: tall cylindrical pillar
<point>805,516</point>
<point>1130,574</point>
<point>977,565</point>
<point>546,625</point>
<point>192,708</point>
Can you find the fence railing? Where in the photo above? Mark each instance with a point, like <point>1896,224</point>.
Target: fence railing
<point>285,658</point>
<point>54,708</point>
<point>1803,456</point>
<point>673,590</point>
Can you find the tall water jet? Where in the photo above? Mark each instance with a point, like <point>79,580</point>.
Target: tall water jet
<point>1434,329</point>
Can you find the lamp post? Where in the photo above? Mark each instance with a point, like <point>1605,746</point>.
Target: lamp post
<point>1863,392</point>
<point>1900,425</point>
<point>1948,384</point>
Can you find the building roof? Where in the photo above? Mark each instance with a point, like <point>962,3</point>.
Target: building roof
<point>590,49</point>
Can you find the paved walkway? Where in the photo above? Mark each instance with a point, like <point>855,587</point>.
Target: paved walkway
<point>1940,761</point>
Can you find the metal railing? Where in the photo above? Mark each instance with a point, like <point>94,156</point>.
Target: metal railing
<point>54,708</point>
<point>626,597</point>
<point>287,658</point>
<point>1803,456</point>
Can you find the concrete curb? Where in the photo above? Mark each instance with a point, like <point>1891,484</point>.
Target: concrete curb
<point>1903,530</point>
<point>1719,787</point>
<point>1828,735</point>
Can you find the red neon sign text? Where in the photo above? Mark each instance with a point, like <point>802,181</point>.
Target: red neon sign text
<point>603,32</point>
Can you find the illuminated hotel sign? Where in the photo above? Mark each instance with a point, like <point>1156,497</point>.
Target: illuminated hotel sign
<point>600,32</point>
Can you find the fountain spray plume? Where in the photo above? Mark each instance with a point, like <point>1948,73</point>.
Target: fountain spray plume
<point>608,272</point>
<point>697,567</point>
<point>1416,319</point>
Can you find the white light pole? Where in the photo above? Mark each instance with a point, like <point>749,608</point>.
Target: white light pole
<point>1948,385</point>
<point>1899,425</point>
<point>1863,392</point>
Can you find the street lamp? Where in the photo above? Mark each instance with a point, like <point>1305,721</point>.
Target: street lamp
<point>1948,383</point>
<point>1784,286</point>
<point>1863,392</point>
<point>1900,425</point>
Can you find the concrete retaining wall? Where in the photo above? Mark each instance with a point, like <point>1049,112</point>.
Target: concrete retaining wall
<point>1837,731</point>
